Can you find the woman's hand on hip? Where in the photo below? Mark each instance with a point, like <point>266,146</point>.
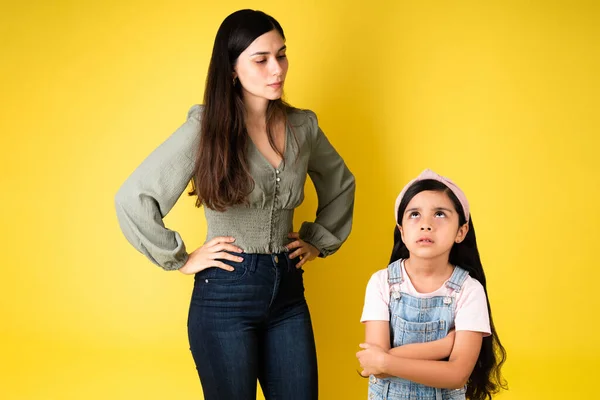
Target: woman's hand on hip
<point>306,251</point>
<point>209,254</point>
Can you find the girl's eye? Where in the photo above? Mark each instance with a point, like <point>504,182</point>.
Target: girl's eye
<point>413,214</point>
<point>440,214</point>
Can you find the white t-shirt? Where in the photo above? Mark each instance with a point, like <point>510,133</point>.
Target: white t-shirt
<point>471,303</point>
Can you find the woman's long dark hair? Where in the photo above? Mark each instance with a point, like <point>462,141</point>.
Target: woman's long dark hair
<point>221,176</point>
<point>486,378</point>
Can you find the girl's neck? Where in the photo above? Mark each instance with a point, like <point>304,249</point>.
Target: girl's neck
<point>427,275</point>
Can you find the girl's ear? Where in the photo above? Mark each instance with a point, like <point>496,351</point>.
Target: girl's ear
<point>401,232</point>
<point>462,233</point>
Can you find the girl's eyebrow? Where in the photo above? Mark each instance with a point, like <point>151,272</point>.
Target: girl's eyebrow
<point>434,209</point>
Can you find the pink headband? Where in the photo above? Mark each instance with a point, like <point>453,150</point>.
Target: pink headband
<point>429,174</point>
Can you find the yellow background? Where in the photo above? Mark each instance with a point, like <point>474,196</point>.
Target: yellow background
<point>501,98</point>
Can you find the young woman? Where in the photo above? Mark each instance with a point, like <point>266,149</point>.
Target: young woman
<point>248,154</point>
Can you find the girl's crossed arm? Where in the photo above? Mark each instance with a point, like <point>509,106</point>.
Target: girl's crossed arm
<point>418,362</point>
<point>378,333</point>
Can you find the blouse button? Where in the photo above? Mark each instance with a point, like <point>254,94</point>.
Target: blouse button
<point>276,171</point>
<point>278,179</point>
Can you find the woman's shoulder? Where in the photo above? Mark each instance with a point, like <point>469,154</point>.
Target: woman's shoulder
<point>195,112</point>
<point>186,138</point>
<point>299,117</point>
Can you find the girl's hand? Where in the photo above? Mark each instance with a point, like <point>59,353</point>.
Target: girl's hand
<point>207,256</point>
<point>306,251</point>
<point>371,359</point>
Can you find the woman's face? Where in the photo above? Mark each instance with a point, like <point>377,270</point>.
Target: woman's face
<point>262,67</point>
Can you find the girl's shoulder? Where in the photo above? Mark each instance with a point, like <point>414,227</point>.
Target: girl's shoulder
<point>472,291</point>
<point>472,285</point>
<point>379,279</point>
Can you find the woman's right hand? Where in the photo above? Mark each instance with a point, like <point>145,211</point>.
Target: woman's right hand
<point>208,256</point>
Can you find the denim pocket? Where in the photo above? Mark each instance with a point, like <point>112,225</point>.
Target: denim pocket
<point>293,262</point>
<point>406,332</point>
<point>220,276</point>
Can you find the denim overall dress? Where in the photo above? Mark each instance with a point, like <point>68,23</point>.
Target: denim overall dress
<point>417,320</point>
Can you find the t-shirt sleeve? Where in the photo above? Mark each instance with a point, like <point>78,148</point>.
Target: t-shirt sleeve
<point>471,310</point>
<point>377,299</point>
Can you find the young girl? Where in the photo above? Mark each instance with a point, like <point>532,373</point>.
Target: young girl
<point>429,330</point>
<point>248,154</point>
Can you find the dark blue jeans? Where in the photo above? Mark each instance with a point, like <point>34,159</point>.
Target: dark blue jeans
<point>253,324</point>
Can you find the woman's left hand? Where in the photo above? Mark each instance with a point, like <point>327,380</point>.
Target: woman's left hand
<point>306,251</point>
<point>371,359</point>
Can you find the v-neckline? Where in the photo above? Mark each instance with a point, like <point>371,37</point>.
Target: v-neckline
<point>285,150</point>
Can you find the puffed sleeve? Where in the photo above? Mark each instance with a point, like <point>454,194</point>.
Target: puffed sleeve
<point>335,187</point>
<point>152,190</point>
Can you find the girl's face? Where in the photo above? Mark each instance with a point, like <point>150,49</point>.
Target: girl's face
<point>430,225</point>
<point>262,67</point>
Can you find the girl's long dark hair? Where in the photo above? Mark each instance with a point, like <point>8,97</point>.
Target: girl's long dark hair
<point>221,176</point>
<point>486,378</point>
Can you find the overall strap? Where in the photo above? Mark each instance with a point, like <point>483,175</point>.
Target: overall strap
<point>458,278</point>
<point>395,279</point>
<point>395,272</point>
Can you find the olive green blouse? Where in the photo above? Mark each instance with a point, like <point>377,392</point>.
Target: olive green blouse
<point>261,225</point>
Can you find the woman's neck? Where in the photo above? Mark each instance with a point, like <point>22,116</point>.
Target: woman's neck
<point>256,110</point>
